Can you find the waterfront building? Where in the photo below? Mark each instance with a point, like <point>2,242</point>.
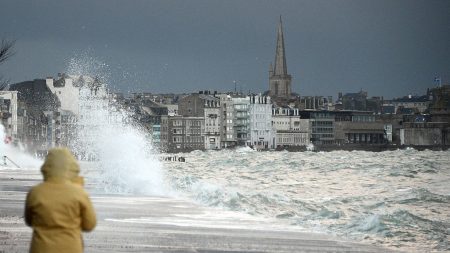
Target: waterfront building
<point>193,105</point>
<point>425,134</point>
<point>147,112</point>
<point>440,102</point>
<point>66,121</point>
<point>291,129</point>
<point>241,119</point>
<point>9,116</point>
<point>182,134</point>
<point>66,91</point>
<point>206,105</point>
<point>279,79</point>
<point>321,125</point>
<point>156,136</point>
<point>358,127</point>
<point>285,118</point>
<point>33,99</point>
<point>212,124</point>
<point>261,133</point>
<point>389,132</point>
<point>227,113</point>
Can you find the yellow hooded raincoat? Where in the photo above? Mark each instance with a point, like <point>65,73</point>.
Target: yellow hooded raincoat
<point>59,208</point>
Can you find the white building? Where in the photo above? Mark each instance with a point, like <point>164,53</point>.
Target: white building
<point>290,129</point>
<point>66,92</point>
<point>76,92</point>
<point>261,133</point>
<point>286,118</point>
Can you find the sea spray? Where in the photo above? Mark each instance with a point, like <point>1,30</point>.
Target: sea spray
<point>12,156</point>
<point>118,149</point>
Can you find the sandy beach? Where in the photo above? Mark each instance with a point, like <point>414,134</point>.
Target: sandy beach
<point>160,224</point>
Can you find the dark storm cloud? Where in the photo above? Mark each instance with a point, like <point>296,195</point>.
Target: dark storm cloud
<point>389,48</point>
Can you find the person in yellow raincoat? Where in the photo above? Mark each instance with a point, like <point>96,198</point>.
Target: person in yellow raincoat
<point>58,209</point>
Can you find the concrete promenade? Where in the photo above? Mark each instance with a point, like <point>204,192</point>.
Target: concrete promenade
<point>159,224</point>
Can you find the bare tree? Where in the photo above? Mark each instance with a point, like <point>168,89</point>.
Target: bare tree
<point>5,53</point>
<point>6,50</point>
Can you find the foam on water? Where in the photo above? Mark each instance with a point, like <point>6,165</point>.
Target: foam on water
<point>16,154</point>
<point>399,199</point>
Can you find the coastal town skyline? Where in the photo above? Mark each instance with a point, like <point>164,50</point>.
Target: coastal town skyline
<point>389,53</point>
<point>225,126</point>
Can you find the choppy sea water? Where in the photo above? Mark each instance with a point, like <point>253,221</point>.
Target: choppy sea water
<point>398,199</point>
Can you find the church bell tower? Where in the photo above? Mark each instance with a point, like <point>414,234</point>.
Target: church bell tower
<point>279,79</point>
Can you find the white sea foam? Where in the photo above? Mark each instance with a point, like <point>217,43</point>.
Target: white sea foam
<point>384,198</point>
<point>15,156</point>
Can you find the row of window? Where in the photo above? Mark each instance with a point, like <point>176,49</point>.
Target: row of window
<point>296,123</point>
<point>282,140</point>
<point>189,139</point>
<point>321,115</point>
<point>322,123</point>
<point>320,136</point>
<point>241,107</point>
<point>322,130</point>
<point>363,118</point>
<point>189,122</point>
<point>261,132</point>
<point>261,125</point>
<point>262,108</point>
<point>260,116</point>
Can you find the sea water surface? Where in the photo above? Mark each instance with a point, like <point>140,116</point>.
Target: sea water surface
<point>398,199</point>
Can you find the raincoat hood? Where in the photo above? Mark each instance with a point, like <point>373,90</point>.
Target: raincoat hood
<point>58,209</point>
<point>60,164</point>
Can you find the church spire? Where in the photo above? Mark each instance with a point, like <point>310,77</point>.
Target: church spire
<point>279,79</point>
<point>280,57</point>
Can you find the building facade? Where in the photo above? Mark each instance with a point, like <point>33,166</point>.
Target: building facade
<point>291,129</point>
<point>321,125</point>
<point>35,102</point>
<point>241,119</point>
<point>182,134</point>
<point>66,91</point>
<point>425,134</point>
<point>227,118</point>
<point>358,127</point>
<point>193,105</point>
<point>212,126</point>
<point>9,116</point>
<point>207,106</point>
<point>261,133</point>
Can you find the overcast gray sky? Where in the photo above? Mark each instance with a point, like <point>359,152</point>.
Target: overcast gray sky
<point>389,48</point>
